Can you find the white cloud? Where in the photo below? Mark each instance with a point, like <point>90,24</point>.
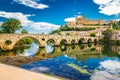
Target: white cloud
<point>108,7</point>
<point>103,75</point>
<point>110,66</point>
<point>108,70</point>
<point>17,15</point>
<point>102,1</point>
<point>40,69</point>
<point>24,18</point>
<point>32,4</point>
<point>44,26</point>
<point>70,19</point>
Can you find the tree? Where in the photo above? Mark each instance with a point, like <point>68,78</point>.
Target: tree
<point>24,31</point>
<point>64,27</point>
<point>1,31</point>
<point>119,23</point>
<point>116,25</point>
<point>108,34</point>
<point>11,25</point>
<point>92,34</point>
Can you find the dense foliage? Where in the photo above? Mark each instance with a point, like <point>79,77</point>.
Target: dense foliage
<point>92,34</point>
<point>24,31</point>
<point>108,34</point>
<point>116,25</point>
<point>66,28</point>
<point>10,26</point>
<point>56,31</point>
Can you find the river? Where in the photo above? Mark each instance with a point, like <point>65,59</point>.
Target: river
<point>76,62</point>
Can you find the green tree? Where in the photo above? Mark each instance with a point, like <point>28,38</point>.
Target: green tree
<point>1,31</point>
<point>108,34</point>
<point>11,25</point>
<point>93,35</point>
<point>64,27</point>
<point>24,31</point>
<point>116,25</point>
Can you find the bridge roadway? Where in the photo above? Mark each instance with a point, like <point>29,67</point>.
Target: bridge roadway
<point>42,39</point>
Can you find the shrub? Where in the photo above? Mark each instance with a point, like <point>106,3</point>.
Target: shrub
<point>92,35</point>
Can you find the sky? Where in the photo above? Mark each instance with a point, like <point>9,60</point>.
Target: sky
<point>43,16</point>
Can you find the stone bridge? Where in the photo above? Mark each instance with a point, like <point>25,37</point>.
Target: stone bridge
<point>41,39</point>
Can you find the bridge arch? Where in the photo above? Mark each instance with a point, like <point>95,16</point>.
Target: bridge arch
<point>51,42</point>
<point>14,42</point>
<point>73,41</point>
<point>82,40</point>
<point>63,41</point>
<point>95,40</point>
<point>89,40</point>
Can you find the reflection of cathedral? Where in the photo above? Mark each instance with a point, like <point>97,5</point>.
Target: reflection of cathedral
<point>81,21</point>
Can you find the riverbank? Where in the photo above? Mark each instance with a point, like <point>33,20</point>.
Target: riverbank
<point>110,42</point>
<point>113,42</point>
<point>14,73</point>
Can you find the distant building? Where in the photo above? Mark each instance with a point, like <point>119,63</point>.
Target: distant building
<point>81,22</point>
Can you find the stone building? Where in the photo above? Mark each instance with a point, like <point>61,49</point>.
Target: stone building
<point>81,21</point>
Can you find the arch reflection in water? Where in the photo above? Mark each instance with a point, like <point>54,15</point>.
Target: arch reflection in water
<point>31,51</point>
<point>63,47</point>
<point>50,49</point>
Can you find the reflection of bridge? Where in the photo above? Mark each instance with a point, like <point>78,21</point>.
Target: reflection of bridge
<point>70,51</point>
<point>12,39</point>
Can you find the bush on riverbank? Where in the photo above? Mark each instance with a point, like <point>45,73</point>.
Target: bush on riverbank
<point>117,42</point>
<point>111,42</point>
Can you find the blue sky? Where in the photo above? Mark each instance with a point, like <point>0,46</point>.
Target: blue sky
<point>45,15</point>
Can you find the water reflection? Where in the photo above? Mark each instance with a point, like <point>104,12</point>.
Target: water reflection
<point>30,51</point>
<point>75,62</point>
<point>109,69</point>
<point>49,49</point>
